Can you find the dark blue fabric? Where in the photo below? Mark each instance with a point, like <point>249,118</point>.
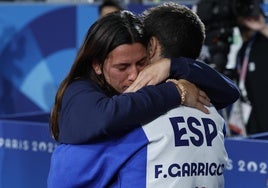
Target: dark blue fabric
<point>97,165</point>
<point>88,114</point>
<point>221,90</point>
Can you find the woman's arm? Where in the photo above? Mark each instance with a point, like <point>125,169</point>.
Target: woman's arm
<point>87,114</point>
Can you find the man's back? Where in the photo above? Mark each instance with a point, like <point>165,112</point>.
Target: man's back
<point>183,148</point>
<point>186,149</point>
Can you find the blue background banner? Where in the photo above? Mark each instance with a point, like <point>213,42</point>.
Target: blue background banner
<point>25,150</point>
<point>248,162</point>
<point>39,45</point>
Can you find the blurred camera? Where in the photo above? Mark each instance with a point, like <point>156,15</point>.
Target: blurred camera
<point>245,8</point>
<point>219,17</point>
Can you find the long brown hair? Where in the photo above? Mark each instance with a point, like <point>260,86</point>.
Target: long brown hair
<point>102,37</point>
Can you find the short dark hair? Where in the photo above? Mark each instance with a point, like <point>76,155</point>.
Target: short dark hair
<point>178,29</point>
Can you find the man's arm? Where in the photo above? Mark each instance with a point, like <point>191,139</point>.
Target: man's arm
<point>221,90</point>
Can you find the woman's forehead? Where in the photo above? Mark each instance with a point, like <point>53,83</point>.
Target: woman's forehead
<point>128,52</point>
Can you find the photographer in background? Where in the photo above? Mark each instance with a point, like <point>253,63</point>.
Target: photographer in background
<point>247,116</point>
<point>252,63</point>
<point>218,17</point>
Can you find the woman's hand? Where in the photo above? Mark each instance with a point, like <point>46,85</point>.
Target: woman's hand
<point>158,71</point>
<point>191,95</point>
<point>152,74</point>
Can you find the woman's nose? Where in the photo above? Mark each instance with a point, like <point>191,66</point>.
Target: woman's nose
<point>133,73</point>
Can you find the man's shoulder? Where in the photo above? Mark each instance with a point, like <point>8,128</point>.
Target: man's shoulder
<point>192,112</point>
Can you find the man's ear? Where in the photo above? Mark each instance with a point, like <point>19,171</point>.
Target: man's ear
<point>97,67</point>
<point>152,47</point>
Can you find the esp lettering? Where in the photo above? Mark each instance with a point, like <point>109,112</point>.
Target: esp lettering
<point>194,125</point>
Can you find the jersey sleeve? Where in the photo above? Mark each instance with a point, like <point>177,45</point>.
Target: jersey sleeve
<point>221,90</point>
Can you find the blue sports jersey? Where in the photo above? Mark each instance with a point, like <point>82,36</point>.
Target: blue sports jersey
<point>186,149</point>
<point>183,148</point>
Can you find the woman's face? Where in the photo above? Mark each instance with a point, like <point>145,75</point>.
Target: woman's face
<point>123,65</point>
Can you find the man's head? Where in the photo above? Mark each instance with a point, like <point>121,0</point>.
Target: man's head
<point>176,28</point>
<point>109,6</point>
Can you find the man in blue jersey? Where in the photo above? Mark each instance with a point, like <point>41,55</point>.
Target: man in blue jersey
<point>185,146</point>
<point>125,161</point>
